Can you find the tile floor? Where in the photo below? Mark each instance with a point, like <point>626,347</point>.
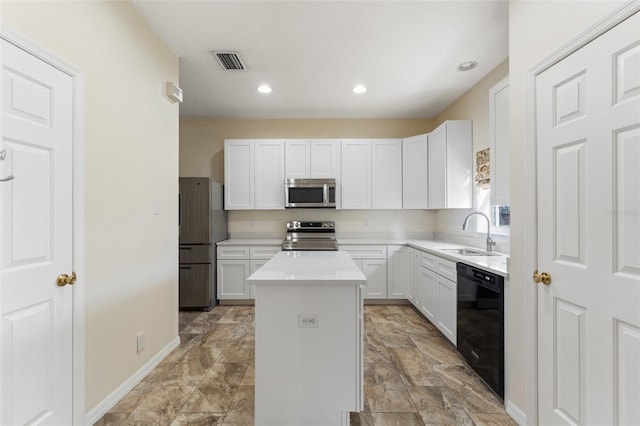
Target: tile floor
<point>413,376</point>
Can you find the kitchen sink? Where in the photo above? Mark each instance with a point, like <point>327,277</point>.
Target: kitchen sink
<point>470,252</point>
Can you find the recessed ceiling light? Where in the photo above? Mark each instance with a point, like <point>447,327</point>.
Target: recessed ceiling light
<point>264,89</point>
<point>359,89</point>
<point>467,66</point>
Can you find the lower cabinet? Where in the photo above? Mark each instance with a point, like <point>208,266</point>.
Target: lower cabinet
<point>232,279</point>
<point>436,292</point>
<point>397,276</point>
<point>235,264</point>
<point>372,261</point>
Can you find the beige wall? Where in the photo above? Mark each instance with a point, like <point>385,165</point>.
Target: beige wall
<point>473,105</point>
<point>131,151</point>
<point>201,154</point>
<point>537,28</point>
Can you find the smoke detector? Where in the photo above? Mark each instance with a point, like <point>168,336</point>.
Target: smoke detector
<point>229,61</point>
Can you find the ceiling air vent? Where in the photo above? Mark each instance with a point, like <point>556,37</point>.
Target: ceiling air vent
<point>230,61</point>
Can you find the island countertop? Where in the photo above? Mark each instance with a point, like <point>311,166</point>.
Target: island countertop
<point>309,268</point>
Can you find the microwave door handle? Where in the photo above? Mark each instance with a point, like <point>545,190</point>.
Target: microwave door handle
<point>325,194</point>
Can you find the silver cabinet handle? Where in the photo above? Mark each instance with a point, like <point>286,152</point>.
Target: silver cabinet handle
<point>8,178</point>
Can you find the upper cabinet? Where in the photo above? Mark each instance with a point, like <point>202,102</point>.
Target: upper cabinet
<point>386,174</point>
<point>499,140</point>
<point>450,166</point>
<point>429,171</point>
<point>371,175</point>
<point>254,174</point>
<point>356,174</point>
<point>415,174</point>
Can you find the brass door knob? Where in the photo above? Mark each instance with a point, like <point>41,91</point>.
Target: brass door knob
<point>64,279</point>
<point>542,277</point>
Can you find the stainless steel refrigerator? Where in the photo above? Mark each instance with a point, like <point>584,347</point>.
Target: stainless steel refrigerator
<point>202,223</point>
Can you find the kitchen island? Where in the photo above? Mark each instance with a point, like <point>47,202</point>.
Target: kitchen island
<point>309,329</point>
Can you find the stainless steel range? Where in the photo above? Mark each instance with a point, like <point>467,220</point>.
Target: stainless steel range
<point>310,236</point>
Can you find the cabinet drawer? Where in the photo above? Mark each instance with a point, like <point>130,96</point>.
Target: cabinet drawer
<point>365,252</point>
<point>428,261</point>
<point>194,253</point>
<point>263,252</point>
<point>233,252</point>
<point>447,269</point>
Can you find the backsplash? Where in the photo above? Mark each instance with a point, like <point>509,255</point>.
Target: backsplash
<point>370,224</point>
<point>441,225</point>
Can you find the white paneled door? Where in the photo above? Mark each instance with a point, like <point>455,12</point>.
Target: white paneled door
<point>588,141</point>
<point>36,241</point>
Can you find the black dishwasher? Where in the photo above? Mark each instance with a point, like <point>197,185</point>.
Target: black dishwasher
<point>481,323</point>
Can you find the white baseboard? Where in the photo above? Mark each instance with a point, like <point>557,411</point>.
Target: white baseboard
<point>114,397</point>
<point>516,414</point>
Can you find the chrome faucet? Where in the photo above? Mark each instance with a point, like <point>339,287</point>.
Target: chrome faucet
<point>490,242</point>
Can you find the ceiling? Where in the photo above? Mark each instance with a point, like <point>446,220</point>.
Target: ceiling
<point>313,52</point>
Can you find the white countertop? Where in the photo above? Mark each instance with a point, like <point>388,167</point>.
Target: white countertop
<point>250,242</point>
<point>493,264</point>
<point>309,268</point>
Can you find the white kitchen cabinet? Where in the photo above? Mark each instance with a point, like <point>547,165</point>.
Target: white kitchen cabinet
<point>447,307</point>
<point>254,174</point>
<point>436,292</point>
<point>356,174</point>
<point>408,254</point>
<point>325,158</point>
<point>386,174</point>
<point>269,175</point>
<point>371,175</point>
<point>372,261</point>
<point>416,278</point>
<point>397,276</point>
<point>450,165</point>
<point>297,158</point>
<point>499,142</point>
<point>376,272</point>
<point>312,158</point>
<point>428,291</point>
<point>415,173</point>
<point>232,279</point>
<point>235,264</point>
<point>239,174</point>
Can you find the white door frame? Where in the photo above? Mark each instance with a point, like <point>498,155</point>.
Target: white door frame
<point>77,77</point>
<point>531,212</point>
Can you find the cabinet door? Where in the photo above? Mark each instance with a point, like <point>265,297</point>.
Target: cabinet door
<point>325,158</point>
<point>499,141</point>
<point>415,176</point>
<point>297,158</point>
<point>396,272</point>
<point>417,272</point>
<point>239,174</point>
<point>356,174</point>
<point>232,279</point>
<point>269,174</point>
<point>409,265</point>
<point>428,294</point>
<point>447,308</point>
<point>437,168</point>
<point>459,165</point>
<point>386,174</point>
<point>376,272</point>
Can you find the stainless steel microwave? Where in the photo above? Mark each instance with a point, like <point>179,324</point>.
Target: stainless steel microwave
<point>310,193</point>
